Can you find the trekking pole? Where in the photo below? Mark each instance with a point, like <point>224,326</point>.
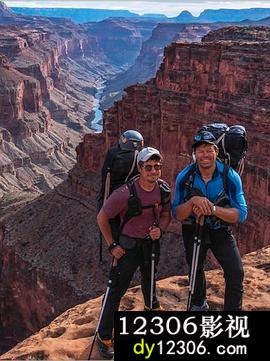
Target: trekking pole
<point>153,256</point>
<point>104,301</point>
<point>195,258</point>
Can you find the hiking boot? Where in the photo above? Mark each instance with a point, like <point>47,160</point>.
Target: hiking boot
<point>156,308</point>
<point>203,307</point>
<point>105,348</point>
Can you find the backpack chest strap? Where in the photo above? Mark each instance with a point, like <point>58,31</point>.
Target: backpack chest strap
<point>152,206</point>
<point>188,183</point>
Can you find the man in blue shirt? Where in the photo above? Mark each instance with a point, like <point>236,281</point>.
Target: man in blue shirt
<point>210,189</point>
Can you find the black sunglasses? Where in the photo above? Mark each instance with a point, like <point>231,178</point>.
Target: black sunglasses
<point>149,167</point>
<point>204,136</point>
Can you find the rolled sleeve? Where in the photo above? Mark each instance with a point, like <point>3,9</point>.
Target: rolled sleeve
<point>117,202</point>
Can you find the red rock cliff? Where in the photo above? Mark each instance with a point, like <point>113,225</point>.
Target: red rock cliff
<point>201,83</point>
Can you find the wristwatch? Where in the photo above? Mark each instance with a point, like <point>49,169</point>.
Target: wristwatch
<point>214,209</point>
<point>112,246</point>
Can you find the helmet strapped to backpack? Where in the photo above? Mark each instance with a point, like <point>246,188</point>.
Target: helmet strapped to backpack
<point>131,140</point>
<point>231,142</point>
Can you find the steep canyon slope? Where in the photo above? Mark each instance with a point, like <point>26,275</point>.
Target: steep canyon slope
<point>53,241</point>
<point>50,70</point>
<point>151,56</point>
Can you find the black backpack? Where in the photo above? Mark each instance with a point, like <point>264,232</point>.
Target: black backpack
<point>231,142</point>
<point>118,168</point>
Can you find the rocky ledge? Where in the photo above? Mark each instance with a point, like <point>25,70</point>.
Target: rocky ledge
<point>69,335</point>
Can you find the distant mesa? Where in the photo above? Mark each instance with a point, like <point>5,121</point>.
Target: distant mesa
<point>224,15</point>
<point>186,16</point>
<point>159,16</point>
<point>86,15</point>
<point>76,15</point>
<point>234,14</point>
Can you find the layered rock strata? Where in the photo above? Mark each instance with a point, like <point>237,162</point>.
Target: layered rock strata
<point>50,71</point>
<point>151,56</point>
<point>217,80</point>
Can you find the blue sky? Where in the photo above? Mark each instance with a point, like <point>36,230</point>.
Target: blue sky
<point>169,8</point>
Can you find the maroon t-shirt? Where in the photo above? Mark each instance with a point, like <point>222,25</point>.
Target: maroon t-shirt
<point>137,226</point>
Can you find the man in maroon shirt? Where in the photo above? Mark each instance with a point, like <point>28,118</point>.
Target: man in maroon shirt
<point>133,248</point>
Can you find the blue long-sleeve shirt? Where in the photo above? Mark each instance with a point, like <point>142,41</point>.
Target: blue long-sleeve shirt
<point>213,188</point>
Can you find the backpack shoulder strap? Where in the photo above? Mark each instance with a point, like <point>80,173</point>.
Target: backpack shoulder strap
<point>134,205</point>
<point>225,177</point>
<point>132,166</point>
<point>165,192</point>
<point>131,187</point>
<point>223,198</point>
<point>187,182</point>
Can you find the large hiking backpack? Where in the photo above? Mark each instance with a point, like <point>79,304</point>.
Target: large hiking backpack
<point>120,163</point>
<point>231,142</point>
<point>119,167</point>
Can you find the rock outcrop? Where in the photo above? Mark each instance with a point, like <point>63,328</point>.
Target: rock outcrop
<point>4,10</point>
<point>6,14</point>
<point>234,33</point>
<point>68,336</point>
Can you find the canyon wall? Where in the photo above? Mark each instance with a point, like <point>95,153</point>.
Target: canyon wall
<point>54,239</point>
<point>221,79</point>
<point>151,56</point>
<point>50,70</point>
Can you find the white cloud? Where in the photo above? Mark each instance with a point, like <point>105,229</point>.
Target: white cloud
<point>170,7</point>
